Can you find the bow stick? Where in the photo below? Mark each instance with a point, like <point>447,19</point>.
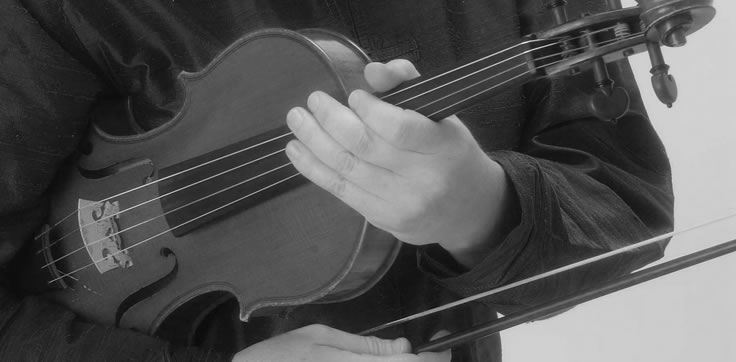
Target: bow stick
<point>563,303</point>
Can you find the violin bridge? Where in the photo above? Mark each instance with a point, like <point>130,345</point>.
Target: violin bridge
<point>101,234</point>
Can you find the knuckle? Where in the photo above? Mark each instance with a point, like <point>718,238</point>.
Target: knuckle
<point>364,143</point>
<point>400,132</point>
<point>372,344</point>
<point>337,187</point>
<point>406,219</point>
<point>346,162</point>
<point>413,214</point>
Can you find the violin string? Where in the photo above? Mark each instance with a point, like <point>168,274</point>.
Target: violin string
<point>195,167</point>
<point>509,80</point>
<point>146,202</point>
<point>157,181</point>
<point>501,73</point>
<point>455,80</point>
<point>173,228</point>
<point>159,197</point>
<point>45,247</point>
<point>559,42</point>
<point>86,245</point>
<point>94,262</point>
<point>475,84</point>
<point>550,273</point>
<point>420,83</point>
<point>250,147</point>
<point>242,182</point>
<point>289,133</point>
<point>496,64</point>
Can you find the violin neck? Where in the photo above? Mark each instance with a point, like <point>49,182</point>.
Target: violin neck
<point>444,93</point>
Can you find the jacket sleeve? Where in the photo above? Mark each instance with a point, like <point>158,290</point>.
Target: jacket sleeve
<point>45,94</point>
<point>584,187</point>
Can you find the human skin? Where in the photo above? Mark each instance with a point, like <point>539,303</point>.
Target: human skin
<point>424,182</point>
<point>318,343</point>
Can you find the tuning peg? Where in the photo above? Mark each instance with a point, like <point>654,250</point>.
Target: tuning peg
<point>664,84</point>
<point>607,101</point>
<point>558,11</point>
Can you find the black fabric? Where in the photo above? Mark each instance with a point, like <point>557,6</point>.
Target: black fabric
<point>584,186</point>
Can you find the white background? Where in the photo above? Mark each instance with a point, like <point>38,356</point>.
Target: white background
<point>689,315</point>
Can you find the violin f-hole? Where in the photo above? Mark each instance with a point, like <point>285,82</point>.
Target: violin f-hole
<point>150,289</point>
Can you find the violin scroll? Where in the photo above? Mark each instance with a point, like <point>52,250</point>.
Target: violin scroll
<point>592,40</point>
<point>670,21</point>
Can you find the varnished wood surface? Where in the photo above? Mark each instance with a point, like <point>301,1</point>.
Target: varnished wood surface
<point>294,248</point>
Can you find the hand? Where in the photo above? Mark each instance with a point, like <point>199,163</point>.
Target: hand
<point>424,182</point>
<point>325,344</point>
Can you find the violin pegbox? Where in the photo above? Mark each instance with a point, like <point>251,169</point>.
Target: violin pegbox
<point>593,40</point>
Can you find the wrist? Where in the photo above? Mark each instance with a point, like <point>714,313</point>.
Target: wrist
<point>501,215</point>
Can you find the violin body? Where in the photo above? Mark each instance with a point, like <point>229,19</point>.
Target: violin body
<point>271,240</point>
<point>206,206</point>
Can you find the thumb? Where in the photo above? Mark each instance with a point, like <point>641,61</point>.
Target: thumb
<point>385,347</point>
<point>384,77</point>
<point>369,345</point>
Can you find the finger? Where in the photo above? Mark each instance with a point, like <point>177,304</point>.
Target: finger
<point>444,356</point>
<point>368,176</point>
<point>403,129</point>
<point>362,201</point>
<point>371,345</point>
<point>330,354</point>
<point>383,77</point>
<point>348,130</point>
<point>437,356</point>
<point>352,347</point>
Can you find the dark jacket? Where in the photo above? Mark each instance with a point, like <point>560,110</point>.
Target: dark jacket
<point>584,186</point>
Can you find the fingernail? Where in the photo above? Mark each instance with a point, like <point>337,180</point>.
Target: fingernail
<point>402,345</point>
<point>294,118</point>
<point>440,334</point>
<point>292,149</point>
<point>313,100</point>
<point>353,98</point>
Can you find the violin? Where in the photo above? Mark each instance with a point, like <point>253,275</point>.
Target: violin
<point>147,226</point>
